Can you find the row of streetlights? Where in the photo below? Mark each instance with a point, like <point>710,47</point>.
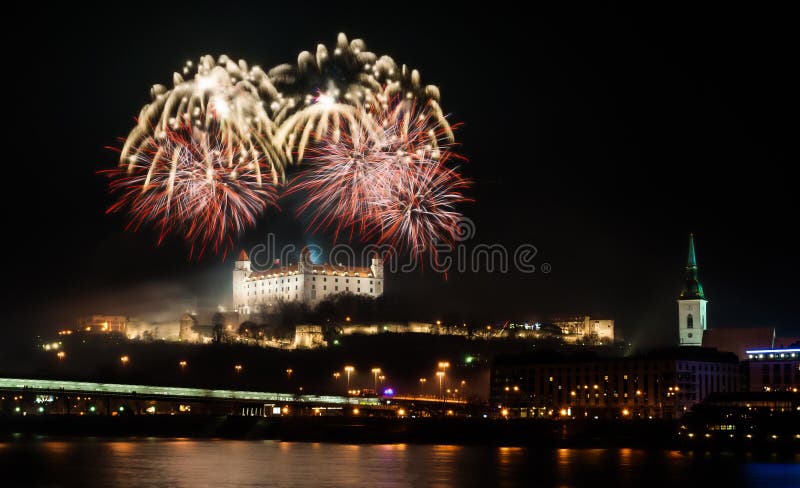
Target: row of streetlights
<point>377,375</point>
<point>441,374</point>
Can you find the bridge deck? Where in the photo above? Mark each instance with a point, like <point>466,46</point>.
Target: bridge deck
<point>119,389</point>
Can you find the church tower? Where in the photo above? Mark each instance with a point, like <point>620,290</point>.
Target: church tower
<point>692,318</point>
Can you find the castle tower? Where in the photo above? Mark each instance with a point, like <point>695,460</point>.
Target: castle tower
<point>241,269</point>
<point>304,262</point>
<point>692,318</point>
<point>377,266</point>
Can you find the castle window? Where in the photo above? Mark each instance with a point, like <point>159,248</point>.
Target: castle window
<point>359,290</point>
<point>370,290</point>
<point>689,322</point>
<point>336,289</point>
<point>347,281</point>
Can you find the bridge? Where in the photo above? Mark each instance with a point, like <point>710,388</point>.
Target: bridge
<point>83,395</point>
<point>45,396</point>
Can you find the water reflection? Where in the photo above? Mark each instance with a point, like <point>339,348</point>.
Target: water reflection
<point>218,463</point>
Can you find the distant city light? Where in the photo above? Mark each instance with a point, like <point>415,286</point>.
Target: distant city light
<point>772,351</point>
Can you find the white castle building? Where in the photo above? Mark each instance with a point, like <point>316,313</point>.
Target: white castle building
<point>303,282</point>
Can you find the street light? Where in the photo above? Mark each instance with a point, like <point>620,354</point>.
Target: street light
<point>440,374</point>
<point>238,368</point>
<point>375,373</point>
<point>422,382</point>
<point>336,375</point>
<point>289,372</point>
<point>443,365</point>
<point>61,355</point>
<point>348,370</point>
<point>182,364</point>
<point>124,360</point>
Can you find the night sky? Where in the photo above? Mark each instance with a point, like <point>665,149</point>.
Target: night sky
<point>603,141</point>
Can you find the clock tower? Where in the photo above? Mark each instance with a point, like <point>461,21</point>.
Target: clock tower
<point>692,318</point>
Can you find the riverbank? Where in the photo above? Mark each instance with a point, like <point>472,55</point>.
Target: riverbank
<point>539,433</point>
<point>347,429</point>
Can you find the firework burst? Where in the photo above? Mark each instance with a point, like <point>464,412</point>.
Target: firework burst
<point>221,93</point>
<point>333,86</point>
<point>391,184</point>
<point>194,183</point>
<point>416,210</point>
<point>206,154</point>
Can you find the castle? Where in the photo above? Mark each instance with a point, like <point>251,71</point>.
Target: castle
<point>303,282</point>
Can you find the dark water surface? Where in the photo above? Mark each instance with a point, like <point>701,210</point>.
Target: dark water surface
<point>222,463</point>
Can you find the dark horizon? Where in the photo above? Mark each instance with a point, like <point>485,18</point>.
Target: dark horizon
<point>603,142</point>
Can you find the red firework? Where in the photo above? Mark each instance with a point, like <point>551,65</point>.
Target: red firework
<point>386,178</point>
<point>417,208</point>
<point>195,184</point>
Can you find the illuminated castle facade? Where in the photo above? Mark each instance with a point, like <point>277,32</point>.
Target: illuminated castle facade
<point>301,282</point>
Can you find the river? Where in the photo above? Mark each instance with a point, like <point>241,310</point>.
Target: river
<point>226,463</point>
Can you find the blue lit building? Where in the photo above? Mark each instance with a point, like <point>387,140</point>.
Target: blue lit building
<point>774,369</point>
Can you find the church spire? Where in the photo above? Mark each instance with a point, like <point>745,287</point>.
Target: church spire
<point>692,288</point>
<point>692,261</point>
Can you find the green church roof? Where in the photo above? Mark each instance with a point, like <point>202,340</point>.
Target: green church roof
<point>692,289</point>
